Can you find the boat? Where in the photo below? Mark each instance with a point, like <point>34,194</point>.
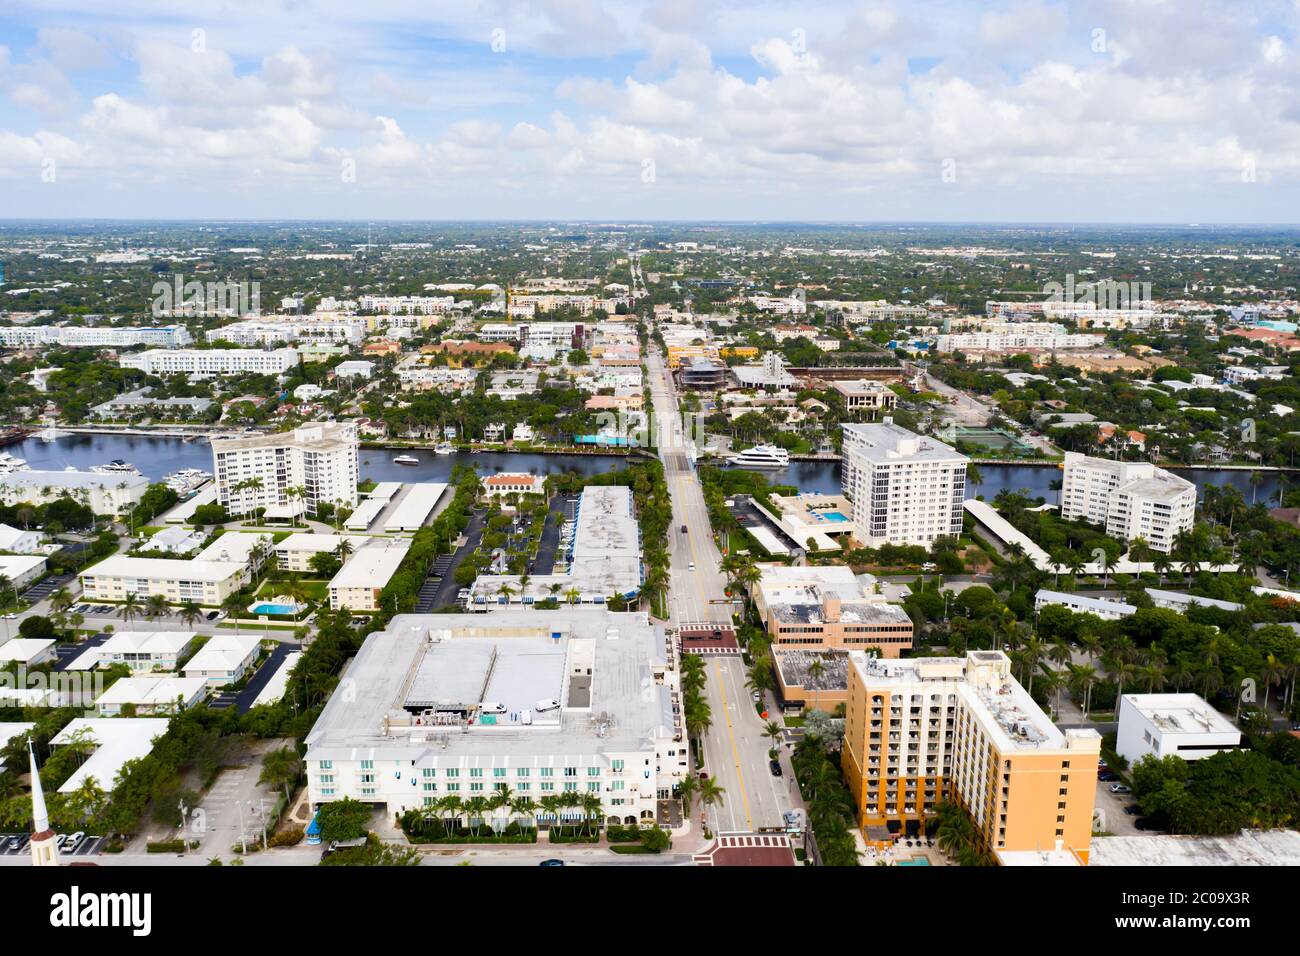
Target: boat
<point>186,480</point>
<point>761,456</point>
<point>9,464</point>
<point>49,434</point>
<point>443,448</point>
<point>116,467</point>
<point>406,460</point>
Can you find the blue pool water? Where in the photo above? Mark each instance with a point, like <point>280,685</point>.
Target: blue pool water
<point>918,861</point>
<point>833,516</point>
<point>274,609</point>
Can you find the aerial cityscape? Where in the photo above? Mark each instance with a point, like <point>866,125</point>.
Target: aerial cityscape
<point>800,500</point>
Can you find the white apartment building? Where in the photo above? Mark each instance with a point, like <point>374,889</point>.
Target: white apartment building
<point>158,694</point>
<point>103,337</point>
<point>1004,341</point>
<point>905,488</point>
<point>203,582</point>
<point>202,363</point>
<point>441,705</point>
<point>295,552</point>
<point>363,577</point>
<point>141,651</point>
<point>1182,725</point>
<point>103,494</point>
<point>778,305</point>
<point>255,332</point>
<point>408,304</point>
<point>864,395</point>
<point>1241,374</point>
<point>320,458</point>
<point>1103,608</point>
<point>1131,499</point>
<point>224,659</point>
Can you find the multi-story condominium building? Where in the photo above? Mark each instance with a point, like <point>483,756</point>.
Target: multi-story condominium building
<point>905,488</point>
<point>101,337</point>
<point>140,651</point>
<point>203,582</point>
<point>788,333</point>
<point>1241,374</point>
<point>257,471</point>
<point>103,494</point>
<point>259,333</point>
<point>295,552</point>
<point>1104,608</point>
<point>1004,341</point>
<point>1180,725</point>
<point>201,363</point>
<point>792,305</point>
<point>923,730</point>
<point>1132,499</point>
<point>873,311</point>
<point>863,396</point>
<point>408,304</point>
<point>359,584</point>
<point>824,608</point>
<point>583,704</point>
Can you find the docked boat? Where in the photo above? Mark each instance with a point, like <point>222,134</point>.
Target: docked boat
<point>10,463</point>
<point>761,457</point>
<point>443,448</point>
<point>116,467</point>
<point>406,460</point>
<point>186,480</point>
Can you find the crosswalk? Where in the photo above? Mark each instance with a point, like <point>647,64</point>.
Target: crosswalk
<point>752,849</point>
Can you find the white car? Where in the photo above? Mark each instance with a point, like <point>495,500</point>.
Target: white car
<point>691,566</point>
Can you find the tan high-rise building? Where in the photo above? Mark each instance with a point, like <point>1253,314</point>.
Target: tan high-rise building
<point>922,730</point>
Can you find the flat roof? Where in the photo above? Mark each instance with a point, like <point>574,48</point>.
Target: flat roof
<point>1088,603</point>
<point>318,543</point>
<point>279,682</point>
<point>71,479</point>
<point>887,443</point>
<point>372,566</point>
<point>1177,597</point>
<point>164,569</point>
<point>414,507</point>
<point>1247,848</point>
<point>184,512</point>
<point>1179,713</point>
<point>24,648</point>
<point>365,514</point>
<point>152,691</point>
<point>235,546</point>
<point>384,490</point>
<point>523,655</point>
<point>119,739</point>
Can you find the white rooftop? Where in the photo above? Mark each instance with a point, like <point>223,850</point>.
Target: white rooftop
<point>372,566</point>
<point>119,739</point>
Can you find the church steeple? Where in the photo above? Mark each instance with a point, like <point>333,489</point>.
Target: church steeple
<point>45,851</point>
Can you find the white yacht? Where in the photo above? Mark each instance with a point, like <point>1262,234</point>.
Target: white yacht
<point>761,456</point>
<point>9,463</point>
<point>443,448</point>
<point>186,480</point>
<point>406,460</point>
<point>116,467</point>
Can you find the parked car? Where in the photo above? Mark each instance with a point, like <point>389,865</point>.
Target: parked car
<point>1107,776</point>
<point>1146,823</point>
<point>15,842</point>
<point>1120,788</point>
<point>74,841</point>
<point>776,767</point>
<point>551,863</point>
<point>1132,809</point>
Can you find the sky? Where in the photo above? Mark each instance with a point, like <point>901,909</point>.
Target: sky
<point>930,110</point>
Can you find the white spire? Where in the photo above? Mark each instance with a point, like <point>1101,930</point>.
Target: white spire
<point>40,818</point>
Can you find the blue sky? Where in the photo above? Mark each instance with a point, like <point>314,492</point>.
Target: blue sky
<point>1115,110</point>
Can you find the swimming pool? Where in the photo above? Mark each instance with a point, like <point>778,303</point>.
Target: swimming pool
<point>832,516</point>
<point>915,861</point>
<point>283,609</point>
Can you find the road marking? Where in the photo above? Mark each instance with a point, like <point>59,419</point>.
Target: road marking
<point>735,751</point>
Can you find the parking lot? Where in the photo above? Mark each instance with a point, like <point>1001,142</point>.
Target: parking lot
<point>1111,805</point>
<point>112,610</point>
<point>43,589</point>
<point>16,844</point>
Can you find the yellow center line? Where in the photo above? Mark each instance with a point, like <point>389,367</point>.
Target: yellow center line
<point>735,752</point>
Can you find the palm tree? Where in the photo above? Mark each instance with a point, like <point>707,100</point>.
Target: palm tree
<point>592,809</point>
<point>1273,673</point>
<point>156,608</point>
<point>525,807</point>
<point>687,787</point>
<point>572,595</point>
<point>344,549</point>
<point>129,608</point>
<point>452,806</point>
<point>233,605</point>
<point>281,768</point>
<point>190,613</point>
<point>711,793</point>
<point>475,807</point>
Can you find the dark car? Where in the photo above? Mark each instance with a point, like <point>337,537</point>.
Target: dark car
<point>551,863</point>
<point>1107,776</point>
<point>1146,823</point>
<point>776,767</point>
<point>1132,809</point>
<point>684,529</point>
